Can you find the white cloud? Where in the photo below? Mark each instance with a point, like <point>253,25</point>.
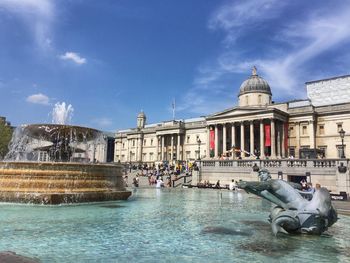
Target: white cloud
<point>38,15</point>
<point>38,99</point>
<point>287,63</point>
<point>75,57</point>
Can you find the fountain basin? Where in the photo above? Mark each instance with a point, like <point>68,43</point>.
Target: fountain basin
<point>57,183</point>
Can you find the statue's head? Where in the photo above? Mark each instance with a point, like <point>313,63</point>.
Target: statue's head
<point>264,174</point>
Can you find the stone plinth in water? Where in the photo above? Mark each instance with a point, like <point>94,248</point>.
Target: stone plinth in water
<point>57,183</point>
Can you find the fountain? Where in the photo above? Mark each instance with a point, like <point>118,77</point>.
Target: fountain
<point>56,163</point>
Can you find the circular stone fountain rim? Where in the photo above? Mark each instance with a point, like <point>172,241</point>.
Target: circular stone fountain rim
<point>61,163</point>
<point>36,130</point>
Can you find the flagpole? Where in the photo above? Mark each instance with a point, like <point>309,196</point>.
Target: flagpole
<point>174,109</point>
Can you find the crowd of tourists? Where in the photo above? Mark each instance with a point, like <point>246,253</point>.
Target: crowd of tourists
<point>157,173</point>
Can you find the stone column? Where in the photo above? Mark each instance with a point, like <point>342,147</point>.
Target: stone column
<point>262,142</point>
<point>283,141</point>
<point>242,140</point>
<point>224,138</point>
<point>162,149</point>
<point>157,148</point>
<point>273,139</point>
<point>251,138</point>
<point>216,142</point>
<point>137,150</point>
<point>172,148</point>
<point>233,139</point>
<point>278,153</point>
<point>178,147</point>
<point>312,134</point>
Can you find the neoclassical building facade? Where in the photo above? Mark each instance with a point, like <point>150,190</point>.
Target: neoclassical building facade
<point>256,128</point>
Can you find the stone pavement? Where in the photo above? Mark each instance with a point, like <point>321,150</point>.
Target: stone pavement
<point>343,207</point>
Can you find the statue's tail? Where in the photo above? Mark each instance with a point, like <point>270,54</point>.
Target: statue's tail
<point>284,222</point>
<point>277,229</point>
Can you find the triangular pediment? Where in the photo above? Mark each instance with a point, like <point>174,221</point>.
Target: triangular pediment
<point>237,111</point>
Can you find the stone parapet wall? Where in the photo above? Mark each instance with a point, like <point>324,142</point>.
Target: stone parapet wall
<point>323,171</point>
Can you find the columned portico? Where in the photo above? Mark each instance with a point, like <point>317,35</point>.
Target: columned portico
<point>242,140</point>
<point>224,138</point>
<point>233,139</point>
<point>171,148</point>
<point>273,139</point>
<point>262,142</point>
<point>157,148</point>
<point>162,149</point>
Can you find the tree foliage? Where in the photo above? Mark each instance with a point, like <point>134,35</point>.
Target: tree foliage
<point>5,138</point>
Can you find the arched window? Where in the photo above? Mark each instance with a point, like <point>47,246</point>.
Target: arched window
<point>247,100</point>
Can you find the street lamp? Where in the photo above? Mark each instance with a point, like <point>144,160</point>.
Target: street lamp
<point>199,149</point>
<point>342,135</point>
<point>199,161</point>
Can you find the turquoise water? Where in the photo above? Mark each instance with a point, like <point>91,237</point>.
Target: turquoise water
<point>164,225</point>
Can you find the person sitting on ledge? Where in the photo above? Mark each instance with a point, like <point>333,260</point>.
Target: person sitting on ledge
<point>217,185</point>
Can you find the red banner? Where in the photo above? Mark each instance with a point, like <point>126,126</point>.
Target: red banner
<point>267,135</point>
<point>212,139</point>
<point>286,137</point>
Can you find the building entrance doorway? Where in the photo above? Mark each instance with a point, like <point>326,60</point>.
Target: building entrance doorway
<point>296,178</point>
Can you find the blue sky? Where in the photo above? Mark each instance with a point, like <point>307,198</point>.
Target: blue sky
<point>110,59</point>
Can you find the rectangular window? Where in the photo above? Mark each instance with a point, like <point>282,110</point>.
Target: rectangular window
<point>123,145</point>
<point>188,155</point>
<point>291,131</point>
<point>292,152</point>
<point>151,156</point>
<point>304,130</point>
<point>323,152</point>
<point>122,158</point>
<point>321,129</point>
<point>144,142</point>
<point>133,142</point>
<point>187,139</point>
<point>339,126</point>
<point>151,142</point>
<point>144,155</point>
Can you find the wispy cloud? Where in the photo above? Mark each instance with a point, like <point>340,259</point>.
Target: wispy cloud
<point>102,122</point>
<point>286,60</point>
<point>235,17</point>
<point>38,15</point>
<point>38,99</point>
<point>75,57</point>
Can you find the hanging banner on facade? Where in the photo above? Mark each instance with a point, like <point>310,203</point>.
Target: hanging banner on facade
<point>212,140</point>
<point>267,135</point>
<point>286,135</point>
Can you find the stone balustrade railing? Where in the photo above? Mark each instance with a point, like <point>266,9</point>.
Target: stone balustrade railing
<point>276,163</point>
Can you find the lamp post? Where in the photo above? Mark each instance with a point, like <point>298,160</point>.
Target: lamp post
<point>342,135</point>
<point>199,160</point>
<point>199,149</point>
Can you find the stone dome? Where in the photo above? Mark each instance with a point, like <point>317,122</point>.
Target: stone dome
<point>254,84</point>
<point>141,115</point>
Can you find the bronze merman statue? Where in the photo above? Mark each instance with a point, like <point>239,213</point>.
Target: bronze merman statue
<point>293,213</point>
